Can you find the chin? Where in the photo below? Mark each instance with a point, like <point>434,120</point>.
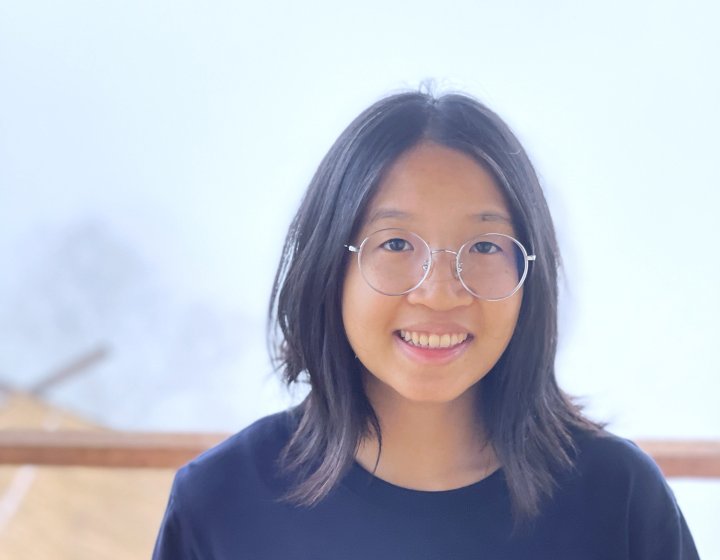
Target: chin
<point>432,390</point>
<point>431,394</point>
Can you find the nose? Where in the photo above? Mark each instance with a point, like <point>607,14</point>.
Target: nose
<point>441,289</point>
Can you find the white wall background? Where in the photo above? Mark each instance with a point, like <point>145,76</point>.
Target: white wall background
<point>152,154</point>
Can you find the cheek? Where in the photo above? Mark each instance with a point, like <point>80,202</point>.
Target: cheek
<point>508,317</point>
<point>500,319</point>
<point>354,313</point>
<point>365,313</point>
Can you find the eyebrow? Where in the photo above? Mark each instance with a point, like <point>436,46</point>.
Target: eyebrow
<point>386,213</point>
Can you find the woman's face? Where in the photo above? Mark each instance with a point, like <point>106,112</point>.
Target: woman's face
<point>446,198</point>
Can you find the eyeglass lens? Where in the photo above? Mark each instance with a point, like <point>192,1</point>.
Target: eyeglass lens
<point>395,261</point>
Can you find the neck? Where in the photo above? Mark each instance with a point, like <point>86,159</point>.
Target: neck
<point>427,446</point>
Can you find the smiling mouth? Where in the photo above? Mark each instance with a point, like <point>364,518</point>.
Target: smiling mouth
<point>433,341</point>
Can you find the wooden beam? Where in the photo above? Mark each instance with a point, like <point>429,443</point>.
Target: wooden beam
<point>682,458</point>
<point>103,448</point>
<point>685,458</point>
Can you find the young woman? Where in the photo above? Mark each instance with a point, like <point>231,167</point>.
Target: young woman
<point>417,295</point>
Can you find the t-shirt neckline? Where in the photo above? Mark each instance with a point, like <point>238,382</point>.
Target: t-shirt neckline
<point>367,485</point>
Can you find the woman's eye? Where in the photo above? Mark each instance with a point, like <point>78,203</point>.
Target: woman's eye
<point>485,248</point>
<point>396,245</point>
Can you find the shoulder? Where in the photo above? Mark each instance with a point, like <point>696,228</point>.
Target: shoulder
<point>619,468</point>
<point>222,489</point>
<point>245,459</point>
<point>618,484</point>
<point>606,454</point>
<point>262,436</point>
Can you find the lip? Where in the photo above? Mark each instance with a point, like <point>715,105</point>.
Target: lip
<point>434,356</point>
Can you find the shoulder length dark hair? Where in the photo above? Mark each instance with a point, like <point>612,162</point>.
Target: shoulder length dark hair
<point>529,421</point>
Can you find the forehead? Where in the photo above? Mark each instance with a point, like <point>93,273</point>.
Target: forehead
<point>435,185</point>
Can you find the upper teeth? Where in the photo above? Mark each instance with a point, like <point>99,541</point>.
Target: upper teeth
<point>433,340</point>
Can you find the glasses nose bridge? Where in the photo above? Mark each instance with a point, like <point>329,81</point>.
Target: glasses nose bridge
<point>455,263</point>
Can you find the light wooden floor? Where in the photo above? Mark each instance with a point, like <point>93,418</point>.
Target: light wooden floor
<point>71,513</point>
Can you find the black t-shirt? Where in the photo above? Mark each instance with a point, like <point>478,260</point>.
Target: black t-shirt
<point>223,505</point>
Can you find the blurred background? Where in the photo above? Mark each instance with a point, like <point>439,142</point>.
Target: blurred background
<point>152,155</point>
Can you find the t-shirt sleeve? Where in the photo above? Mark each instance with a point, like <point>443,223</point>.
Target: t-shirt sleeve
<point>657,528</point>
<point>174,540</point>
